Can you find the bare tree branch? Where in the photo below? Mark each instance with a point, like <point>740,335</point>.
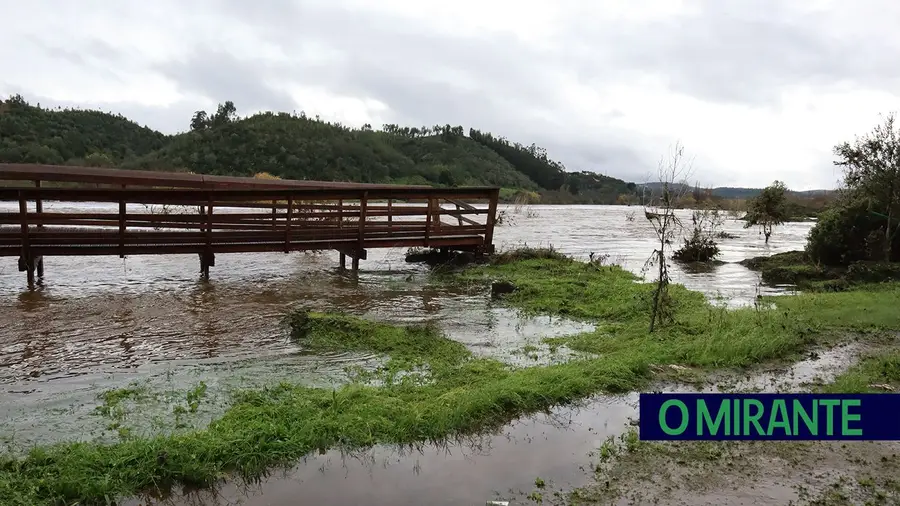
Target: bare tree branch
<point>674,171</point>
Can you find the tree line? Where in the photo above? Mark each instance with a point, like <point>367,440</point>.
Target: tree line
<point>295,146</point>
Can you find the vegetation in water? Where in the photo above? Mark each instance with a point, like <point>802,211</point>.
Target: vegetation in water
<point>701,245</point>
<point>768,209</point>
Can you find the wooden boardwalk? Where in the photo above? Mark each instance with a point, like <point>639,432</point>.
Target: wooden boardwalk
<point>156,213</point>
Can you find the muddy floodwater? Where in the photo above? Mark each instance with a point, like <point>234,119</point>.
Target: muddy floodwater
<point>97,323</point>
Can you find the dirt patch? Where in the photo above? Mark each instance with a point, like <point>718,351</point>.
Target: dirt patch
<point>751,473</point>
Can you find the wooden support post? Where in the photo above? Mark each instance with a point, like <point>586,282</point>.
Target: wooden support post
<point>360,244</point>
<point>491,219</point>
<point>428,222</point>
<point>39,208</point>
<point>25,260</point>
<point>30,275</point>
<point>343,261</point>
<point>207,258</point>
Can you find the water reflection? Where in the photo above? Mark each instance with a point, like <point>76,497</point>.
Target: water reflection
<point>473,470</point>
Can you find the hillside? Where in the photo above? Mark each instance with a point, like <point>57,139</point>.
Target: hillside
<point>739,193</point>
<point>297,147</point>
<point>34,135</point>
<point>745,193</point>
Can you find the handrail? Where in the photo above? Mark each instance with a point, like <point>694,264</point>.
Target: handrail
<point>249,218</point>
<point>97,175</point>
<point>157,195</point>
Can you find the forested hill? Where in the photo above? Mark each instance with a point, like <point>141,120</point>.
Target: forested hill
<point>297,147</point>
<point>740,193</point>
<point>30,134</point>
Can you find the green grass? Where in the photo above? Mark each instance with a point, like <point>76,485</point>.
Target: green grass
<point>871,374</point>
<point>460,394</point>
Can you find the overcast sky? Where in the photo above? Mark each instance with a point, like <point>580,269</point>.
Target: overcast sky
<point>756,90</point>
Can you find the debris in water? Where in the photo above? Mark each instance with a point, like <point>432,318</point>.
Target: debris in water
<point>660,368</point>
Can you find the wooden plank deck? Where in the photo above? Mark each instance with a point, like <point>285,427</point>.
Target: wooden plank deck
<point>206,215</point>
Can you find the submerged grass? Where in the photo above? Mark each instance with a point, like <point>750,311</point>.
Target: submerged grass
<point>461,394</point>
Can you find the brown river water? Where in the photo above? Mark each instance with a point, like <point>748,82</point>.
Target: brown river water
<point>97,323</point>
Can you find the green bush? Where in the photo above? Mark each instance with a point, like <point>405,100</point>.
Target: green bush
<point>697,249</point>
<point>873,272</point>
<point>847,233</point>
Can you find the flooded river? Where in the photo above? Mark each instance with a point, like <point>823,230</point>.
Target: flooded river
<point>97,323</point>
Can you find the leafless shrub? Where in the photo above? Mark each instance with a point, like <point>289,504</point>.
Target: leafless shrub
<point>673,174</point>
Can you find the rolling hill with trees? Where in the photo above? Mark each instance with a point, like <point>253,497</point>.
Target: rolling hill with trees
<point>295,146</point>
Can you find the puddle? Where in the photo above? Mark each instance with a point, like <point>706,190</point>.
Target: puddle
<point>554,447</point>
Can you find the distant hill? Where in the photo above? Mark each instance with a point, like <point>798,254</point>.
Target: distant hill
<point>295,146</point>
<point>727,192</point>
<point>34,135</point>
<point>745,193</point>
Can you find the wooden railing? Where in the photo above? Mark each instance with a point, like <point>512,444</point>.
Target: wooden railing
<point>127,221</point>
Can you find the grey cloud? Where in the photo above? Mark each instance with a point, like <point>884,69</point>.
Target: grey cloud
<point>220,76</point>
<point>746,51</point>
<point>729,51</point>
<point>96,55</point>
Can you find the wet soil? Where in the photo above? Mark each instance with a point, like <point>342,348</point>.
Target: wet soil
<point>750,473</point>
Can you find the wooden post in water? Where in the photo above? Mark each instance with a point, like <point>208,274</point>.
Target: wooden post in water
<point>363,201</point>
<point>39,208</point>
<point>26,262</point>
<point>207,258</point>
<point>491,219</point>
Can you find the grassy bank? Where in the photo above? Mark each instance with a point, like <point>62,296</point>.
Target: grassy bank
<point>795,267</point>
<point>433,388</point>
